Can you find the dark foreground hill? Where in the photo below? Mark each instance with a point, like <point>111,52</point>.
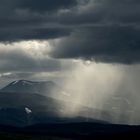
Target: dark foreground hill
<point>73,131</point>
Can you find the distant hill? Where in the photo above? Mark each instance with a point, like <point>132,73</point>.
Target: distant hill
<point>22,104</point>
<point>26,109</point>
<point>30,87</point>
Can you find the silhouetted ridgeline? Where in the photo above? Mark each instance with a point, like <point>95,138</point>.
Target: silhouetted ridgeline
<point>77,131</point>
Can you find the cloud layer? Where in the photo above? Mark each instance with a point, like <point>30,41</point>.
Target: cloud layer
<point>26,19</point>
<point>106,31</point>
<point>102,44</point>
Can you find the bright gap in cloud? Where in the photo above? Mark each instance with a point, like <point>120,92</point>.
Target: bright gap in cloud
<point>32,47</point>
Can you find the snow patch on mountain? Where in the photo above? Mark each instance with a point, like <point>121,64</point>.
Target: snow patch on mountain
<point>15,82</point>
<point>27,110</point>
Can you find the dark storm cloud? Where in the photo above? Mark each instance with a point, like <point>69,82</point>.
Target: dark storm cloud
<point>47,5</point>
<point>104,43</point>
<point>26,33</point>
<point>108,31</point>
<point>104,30</point>
<point>23,19</point>
<point>104,11</point>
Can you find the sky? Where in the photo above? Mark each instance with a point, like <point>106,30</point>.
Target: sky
<point>88,46</point>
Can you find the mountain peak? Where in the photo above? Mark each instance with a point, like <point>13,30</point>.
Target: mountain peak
<point>21,82</point>
<point>29,86</point>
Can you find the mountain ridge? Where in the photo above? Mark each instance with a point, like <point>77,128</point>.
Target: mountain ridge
<point>32,107</point>
<point>40,87</point>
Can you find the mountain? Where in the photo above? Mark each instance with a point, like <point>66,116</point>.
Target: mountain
<point>30,87</point>
<point>25,108</point>
<point>21,104</point>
